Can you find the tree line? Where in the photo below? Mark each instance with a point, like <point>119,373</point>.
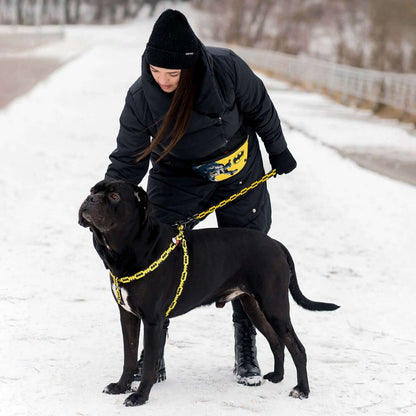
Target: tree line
<point>379,34</point>
<point>30,12</point>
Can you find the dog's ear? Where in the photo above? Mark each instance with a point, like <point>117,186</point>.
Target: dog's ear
<point>141,195</point>
<point>143,200</point>
<point>99,186</point>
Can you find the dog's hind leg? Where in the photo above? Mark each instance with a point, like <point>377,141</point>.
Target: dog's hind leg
<point>280,320</point>
<point>297,350</point>
<point>252,309</point>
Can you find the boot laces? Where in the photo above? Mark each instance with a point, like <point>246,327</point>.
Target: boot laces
<point>248,355</point>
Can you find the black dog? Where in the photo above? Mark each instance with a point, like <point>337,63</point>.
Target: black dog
<point>223,264</point>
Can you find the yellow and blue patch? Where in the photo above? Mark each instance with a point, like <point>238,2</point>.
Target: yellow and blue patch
<point>224,168</point>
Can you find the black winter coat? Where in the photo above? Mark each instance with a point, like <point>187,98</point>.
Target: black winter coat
<point>232,100</point>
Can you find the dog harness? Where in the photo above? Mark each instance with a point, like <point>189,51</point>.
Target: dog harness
<point>180,239</point>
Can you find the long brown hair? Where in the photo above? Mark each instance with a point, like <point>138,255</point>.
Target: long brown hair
<point>179,112</point>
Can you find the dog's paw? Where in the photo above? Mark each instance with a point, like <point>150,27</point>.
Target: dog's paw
<point>299,393</point>
<point>273,377</point>
<point>116,388</point>
<point>135,400</point>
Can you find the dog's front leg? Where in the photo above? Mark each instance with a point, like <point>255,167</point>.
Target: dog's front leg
<point>130,326</point>
<point>152,343</point>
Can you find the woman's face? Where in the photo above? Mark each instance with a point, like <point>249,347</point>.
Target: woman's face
<point>167,79</point>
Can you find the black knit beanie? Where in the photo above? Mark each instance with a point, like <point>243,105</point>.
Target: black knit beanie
<point>172,44</point>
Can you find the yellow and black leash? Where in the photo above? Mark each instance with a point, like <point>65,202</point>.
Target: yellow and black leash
<point>180,239</point>
<point>232,198</point>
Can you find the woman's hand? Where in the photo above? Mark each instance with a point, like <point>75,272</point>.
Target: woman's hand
<point>283,162</point>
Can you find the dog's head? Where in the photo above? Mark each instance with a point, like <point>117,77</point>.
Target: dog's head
<point>114,204</point>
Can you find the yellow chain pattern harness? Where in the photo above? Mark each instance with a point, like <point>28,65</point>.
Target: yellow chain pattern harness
<point>180,239</point>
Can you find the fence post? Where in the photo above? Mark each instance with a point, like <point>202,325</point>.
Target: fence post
<point>380,95</point>
<point>344,92</point>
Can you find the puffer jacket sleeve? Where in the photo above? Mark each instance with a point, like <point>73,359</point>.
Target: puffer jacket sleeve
<point>132,139</point>
<point>255,104</point>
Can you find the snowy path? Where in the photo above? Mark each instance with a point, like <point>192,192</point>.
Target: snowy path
<point>351,233</point>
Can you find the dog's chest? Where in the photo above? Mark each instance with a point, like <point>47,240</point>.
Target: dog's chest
<point>124,294</point>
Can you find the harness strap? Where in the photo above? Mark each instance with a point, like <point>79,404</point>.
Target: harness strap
<point>184,276</point>
<point>179,239</point>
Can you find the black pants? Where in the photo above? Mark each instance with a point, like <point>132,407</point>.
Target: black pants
<point>177,194</point>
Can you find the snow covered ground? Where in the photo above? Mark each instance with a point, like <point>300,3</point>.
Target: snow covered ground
<point>350,231</point>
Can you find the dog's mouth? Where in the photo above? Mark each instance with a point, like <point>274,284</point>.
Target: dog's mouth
<point>85,219</point>
<point>86,216</point>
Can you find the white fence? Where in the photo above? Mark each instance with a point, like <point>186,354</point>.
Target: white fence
<point>395,90</point>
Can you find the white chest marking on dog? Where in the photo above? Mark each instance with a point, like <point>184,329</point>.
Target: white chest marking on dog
<point>124,297</point>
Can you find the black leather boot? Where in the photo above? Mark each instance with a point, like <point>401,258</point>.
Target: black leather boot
<point>246,368</point>
<point>161,370</point>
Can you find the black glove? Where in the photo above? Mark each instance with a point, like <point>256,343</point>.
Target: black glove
<point>283,162</point>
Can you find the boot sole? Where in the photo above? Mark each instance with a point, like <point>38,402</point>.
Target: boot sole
<point>252,381</point>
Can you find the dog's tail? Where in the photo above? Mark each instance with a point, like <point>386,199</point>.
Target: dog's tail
<point>296,293</point>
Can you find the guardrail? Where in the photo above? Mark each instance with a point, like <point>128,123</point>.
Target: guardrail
<point>395,90</point>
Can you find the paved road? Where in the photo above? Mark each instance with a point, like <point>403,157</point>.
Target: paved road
<point>20,71</point>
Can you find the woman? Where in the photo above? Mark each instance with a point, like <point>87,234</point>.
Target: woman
<point>203,107</point>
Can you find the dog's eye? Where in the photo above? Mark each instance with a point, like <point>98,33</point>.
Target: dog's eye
<point>114,197</point>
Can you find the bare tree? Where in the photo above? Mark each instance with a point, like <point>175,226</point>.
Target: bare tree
<point>73,11</point>
<point>258,21</point>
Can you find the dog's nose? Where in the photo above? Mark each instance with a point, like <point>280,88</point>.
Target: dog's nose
<point>91,198</point>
